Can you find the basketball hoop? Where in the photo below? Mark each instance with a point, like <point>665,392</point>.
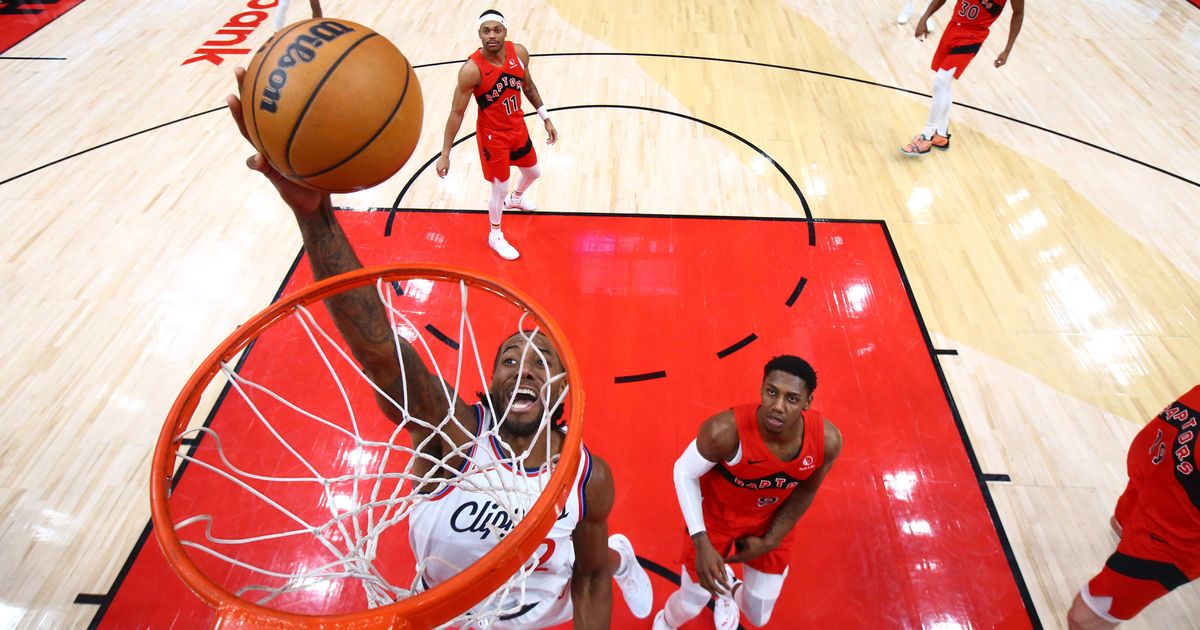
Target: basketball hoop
<point>350,536</point>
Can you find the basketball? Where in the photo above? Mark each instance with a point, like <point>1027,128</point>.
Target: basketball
<point>332,104</point>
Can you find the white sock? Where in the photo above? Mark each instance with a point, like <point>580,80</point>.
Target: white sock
<point>496,202</point>
<point>939,112</point>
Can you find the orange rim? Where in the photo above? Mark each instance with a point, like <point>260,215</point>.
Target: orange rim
<point>423,610</point>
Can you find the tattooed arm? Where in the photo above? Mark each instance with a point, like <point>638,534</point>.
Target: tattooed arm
<point>359,314</point>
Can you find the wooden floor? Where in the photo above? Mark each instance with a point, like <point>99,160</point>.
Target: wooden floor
<point>1054,247</point>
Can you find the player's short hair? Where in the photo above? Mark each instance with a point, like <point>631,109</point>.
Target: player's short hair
<point>796,367</point>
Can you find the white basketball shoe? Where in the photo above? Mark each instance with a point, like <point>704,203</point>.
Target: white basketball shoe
<point>634,583</point>
<point>522,202</point>
<point>497,242</point>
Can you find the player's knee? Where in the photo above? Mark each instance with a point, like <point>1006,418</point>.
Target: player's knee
<point>757,603</point>
<point>1081,617</point>
<point>531,172</point>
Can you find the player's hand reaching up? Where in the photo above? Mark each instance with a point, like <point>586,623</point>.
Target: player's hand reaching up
<point>302,200</point>
<point>710,566</point>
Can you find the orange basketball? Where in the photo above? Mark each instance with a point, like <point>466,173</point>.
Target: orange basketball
<point>332,104</point>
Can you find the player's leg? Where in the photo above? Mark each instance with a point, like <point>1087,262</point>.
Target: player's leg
<point>524,157</point>
<point>493,158</point>
<point>937,128</point>
<point>683,605</point>
<point>631,578</point>
<point>1081,617</point>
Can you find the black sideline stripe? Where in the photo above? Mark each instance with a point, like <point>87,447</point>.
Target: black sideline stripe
<point>637,378</point>
<point>737,346</point>
<point>90,599</point>
<point>796,292</point>
<point>946,352</point>
<point>32,58</point>
<point>441,336</point>
<point>997,477</point>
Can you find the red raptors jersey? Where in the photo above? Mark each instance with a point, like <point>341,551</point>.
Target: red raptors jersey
<point>976,15</point>
<point>1163,459</point>
<point>743,497</point>
<point>499,92</point>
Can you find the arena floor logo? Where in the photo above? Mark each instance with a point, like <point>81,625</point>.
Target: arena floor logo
<point>233,34</point>
<point>21,18</point>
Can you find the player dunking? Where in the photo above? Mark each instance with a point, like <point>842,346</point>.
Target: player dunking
<point>964,35</point>
<point>578,560</point>
<point>1157,518</point>
<point>745,480</point>
<point>495,75</point>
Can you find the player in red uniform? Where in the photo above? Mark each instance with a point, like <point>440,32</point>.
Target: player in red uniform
<point>745,480</point>
<point>1157,518</point>
<point>961,40</point>
<point>495,75</point>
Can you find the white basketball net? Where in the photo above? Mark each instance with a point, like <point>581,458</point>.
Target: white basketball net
<point>366,492</point>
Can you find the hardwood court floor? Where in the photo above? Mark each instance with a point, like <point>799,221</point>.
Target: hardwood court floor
<point>1053,247</point>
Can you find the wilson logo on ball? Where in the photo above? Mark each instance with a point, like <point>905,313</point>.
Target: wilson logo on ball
<point>302,50</point>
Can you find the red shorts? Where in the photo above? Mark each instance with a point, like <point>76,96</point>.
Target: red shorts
<point>498,150</point>
<point>1144,568</point>
<point>956,49</point>
<point>775,562</point>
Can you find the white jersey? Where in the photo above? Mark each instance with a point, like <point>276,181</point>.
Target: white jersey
<point>462,522</point>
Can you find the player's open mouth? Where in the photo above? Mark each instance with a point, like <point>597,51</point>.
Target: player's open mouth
<point>775,422</point>
<point>524,400</point>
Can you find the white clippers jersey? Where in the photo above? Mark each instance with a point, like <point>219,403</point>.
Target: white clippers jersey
<point>460,523</point>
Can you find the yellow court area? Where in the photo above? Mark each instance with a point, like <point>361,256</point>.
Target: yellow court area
<point>1055,247</point>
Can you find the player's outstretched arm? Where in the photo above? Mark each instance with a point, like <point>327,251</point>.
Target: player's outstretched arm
<point>534,97</point>
<point>717,441</point>
<point>591,579</point>
<point>1014,29</point>
<point>358,314</point>
<point>793,507</point>
<point>468,79</point>
<point>923,24</point>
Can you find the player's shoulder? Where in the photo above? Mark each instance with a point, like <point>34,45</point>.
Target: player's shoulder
<point>833,440</point>
<point>599,490</point>
<point>718,437</point>
<point>469,72</point>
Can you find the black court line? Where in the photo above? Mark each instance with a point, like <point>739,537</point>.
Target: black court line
<point>796,292</point>
<point>397,288</point>
<point>747,340</point>
<point>812,234</point>
<point>981,481</point>
<point>441,336</point>
<point>948,352</point>
<point>212,413</point>
<point>760,64</point>
<point>637,378</point>
<point>896,88</point>
<point>4,58</point>
<point>91,599</point>
<point>997,477</point>
<point>101,146</point>
<point>672,577</point>
<point>191,441</point>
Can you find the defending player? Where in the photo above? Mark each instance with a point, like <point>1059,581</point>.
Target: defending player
<point>496,75</point>
<point>745,480</point>
<point>1157,518</point>
<point>965,33</point>
<point>578,560</point>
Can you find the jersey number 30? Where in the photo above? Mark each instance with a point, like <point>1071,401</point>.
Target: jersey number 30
<point>968,10</point>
